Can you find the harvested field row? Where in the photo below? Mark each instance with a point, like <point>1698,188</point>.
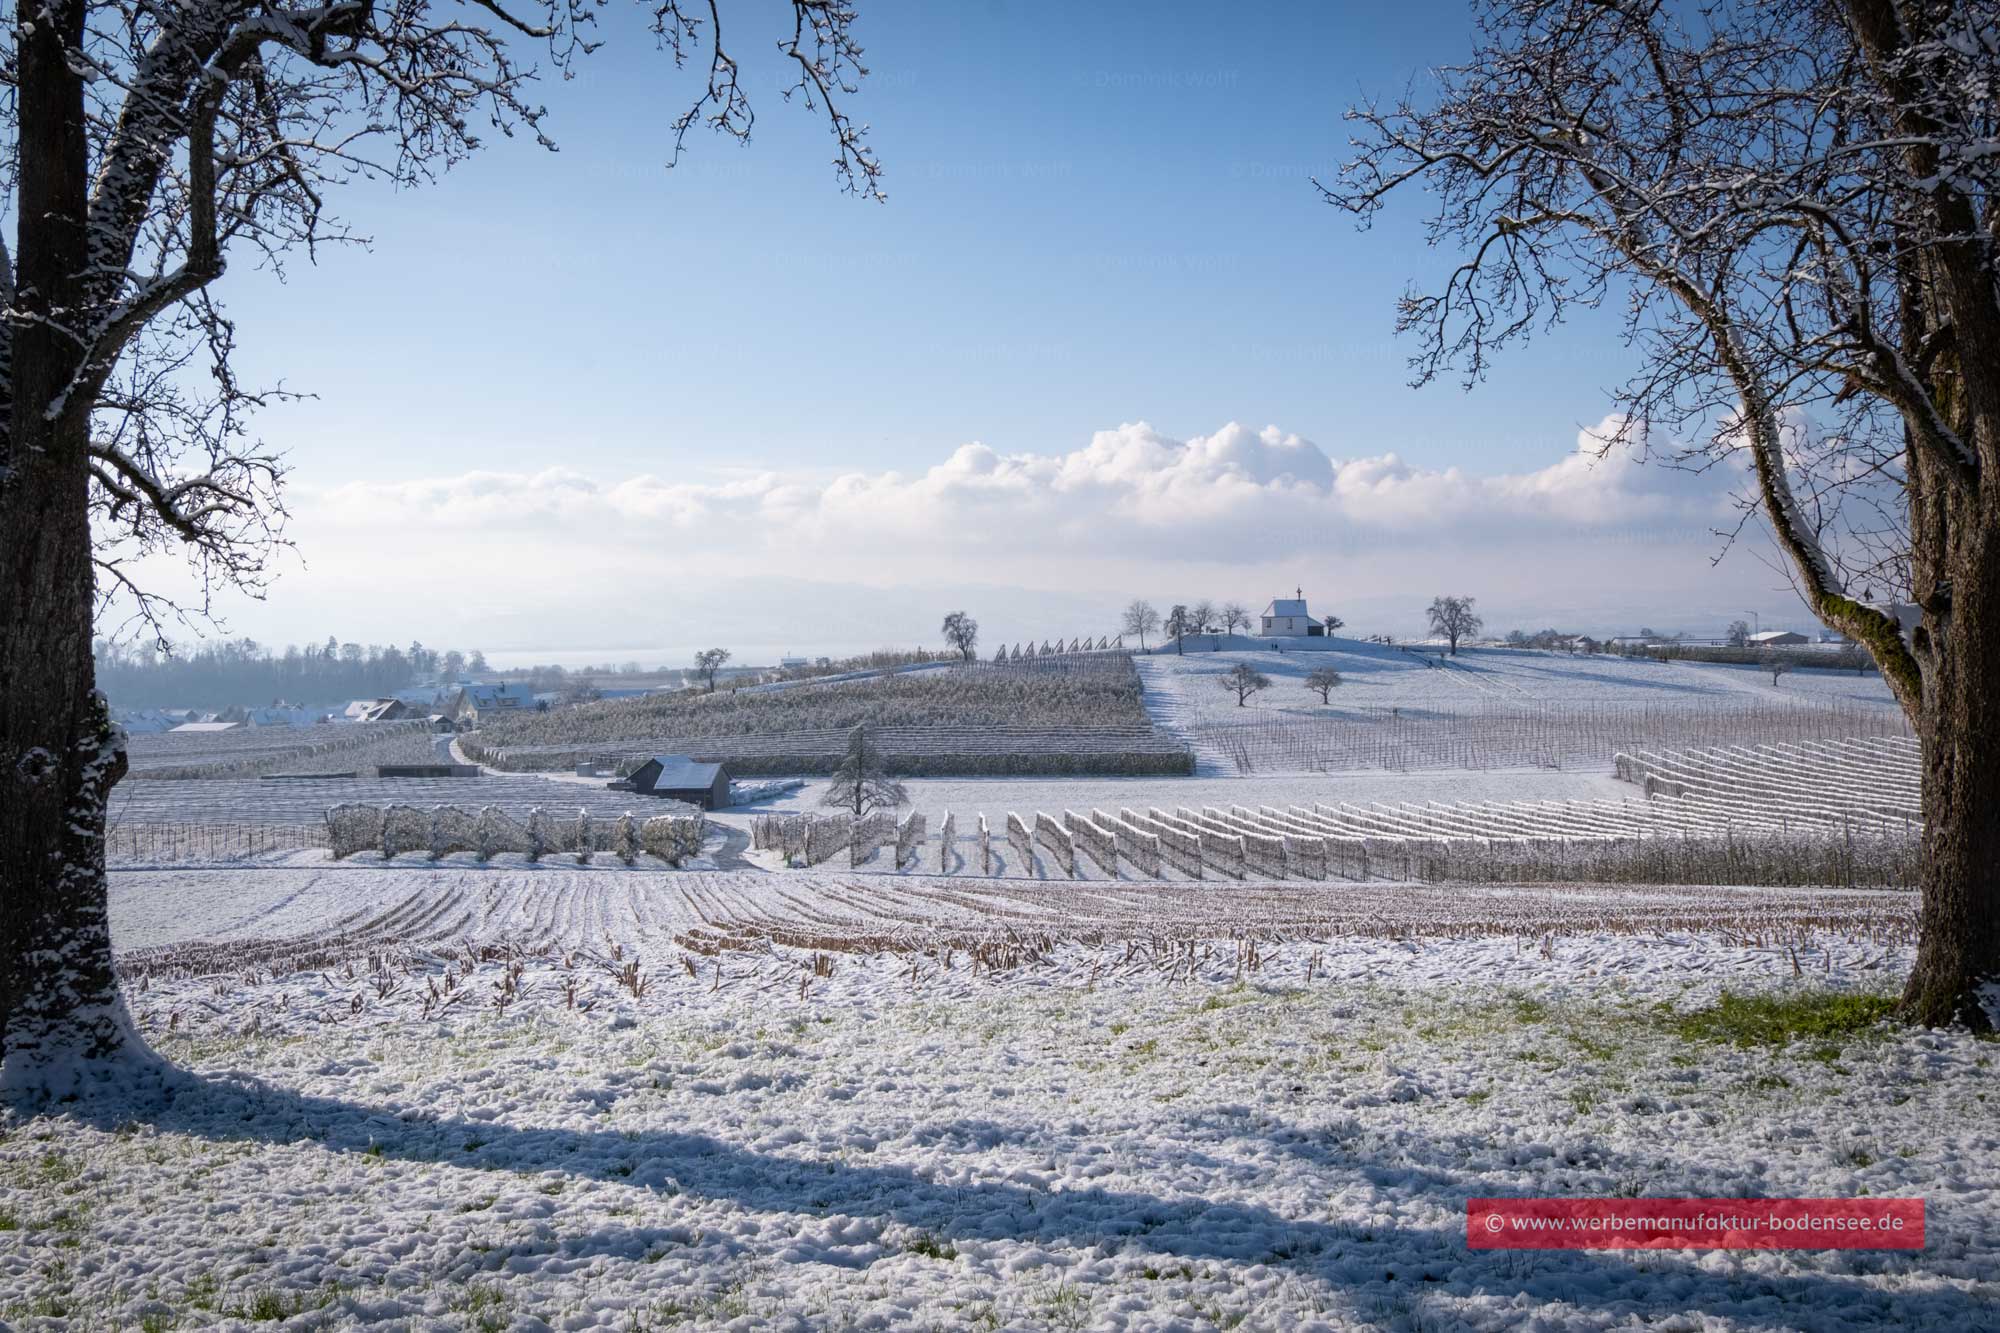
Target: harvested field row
<point>198,920</point>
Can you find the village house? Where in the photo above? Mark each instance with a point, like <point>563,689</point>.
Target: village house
<point>470,701</point>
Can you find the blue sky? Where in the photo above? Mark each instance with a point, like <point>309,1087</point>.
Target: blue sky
<point>1098,216</point>
<point>1098,213</point>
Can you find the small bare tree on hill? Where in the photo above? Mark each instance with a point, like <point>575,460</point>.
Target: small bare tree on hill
<point>1141,619</point>
<point>1243,680</point>
<point>1235,616</point>
<point>709,661</point>
<point>961,631</point>
<point>1777,663</point>
<point>1323,681</point>
<point>1180,626</point>
<point>1454,619</point>
<point>1739,633</point>
<point>862,784</point>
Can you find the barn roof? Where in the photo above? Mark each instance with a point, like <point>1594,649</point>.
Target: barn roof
<point>680,773</point>
<point>1288,606</point>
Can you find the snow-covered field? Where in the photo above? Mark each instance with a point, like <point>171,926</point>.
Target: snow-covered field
<point>935,1105</point>
<point>1488,707</point>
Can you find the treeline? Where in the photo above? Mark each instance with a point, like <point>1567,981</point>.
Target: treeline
<point>243,673</point>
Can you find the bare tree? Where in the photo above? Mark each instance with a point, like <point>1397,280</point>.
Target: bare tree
<point>1235,616</point>
<point>1141,619</point>
<point>1180,625</point>
<point>961,631</point>
<point>1243,680</point>
<point>1323,681</point>
<point>1201,617</point>
<point>1777,663</point>
<point>1454,618</point>
<point>708,662</point>
<point>1739,633</point>
<point>862,783</point>
<point>1333,623</point>
<point>149,142</point>
<point>1795,206</point>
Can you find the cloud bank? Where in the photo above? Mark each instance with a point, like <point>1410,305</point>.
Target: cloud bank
<point>1047,543</point>
<point>1130,491</point>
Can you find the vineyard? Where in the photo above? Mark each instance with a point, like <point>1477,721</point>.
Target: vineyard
<point>1403,710</point>
<point>247,751</point>
<point>1080,715</point>
<point>1841,813</point>
<point>1541,734</point>
<point>1862,783</point>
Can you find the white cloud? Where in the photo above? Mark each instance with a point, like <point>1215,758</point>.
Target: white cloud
<point>1129,490</point>
<point>539,558</point>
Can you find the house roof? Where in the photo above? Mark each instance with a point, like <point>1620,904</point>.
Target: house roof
<point>208,726</point>
<point>1774,636</point>
<point>680,773</point>
<point>487,694</point>
<point>1288,606</point>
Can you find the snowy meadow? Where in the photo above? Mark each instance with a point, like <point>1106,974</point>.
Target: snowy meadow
<point>441,1089</point>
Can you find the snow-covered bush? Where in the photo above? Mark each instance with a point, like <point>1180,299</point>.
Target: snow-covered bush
<point>1055,837</point>
<point>672,838</point>
<point>947,842</point>
<point>1021,841</point>
<point>625,839</point>
<point>353,828</point>
<point>542,835</point>
<point>494,832</point>
<point>1098,844</point>
<point>452,830</point>
<point>870,832</point>
<point>909,838</point>
<point>405,828</point>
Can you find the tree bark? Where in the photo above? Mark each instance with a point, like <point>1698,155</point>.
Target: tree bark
<point>60,1011</point>
<point>1957,570</point>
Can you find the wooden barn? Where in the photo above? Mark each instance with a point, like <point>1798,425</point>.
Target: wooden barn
<point>678,778</point>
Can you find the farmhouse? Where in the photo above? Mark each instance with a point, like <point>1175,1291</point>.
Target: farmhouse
<point>1775,638</point>
<point>679,778</point>
<point>472,700</point>
<point>378,710</point>
<point>1286,618</point>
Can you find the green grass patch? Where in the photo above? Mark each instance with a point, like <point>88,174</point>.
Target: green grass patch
<point>1779,1020</point>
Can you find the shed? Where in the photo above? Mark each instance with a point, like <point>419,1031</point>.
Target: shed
<point>679,778</point>
<point>1775,638</point>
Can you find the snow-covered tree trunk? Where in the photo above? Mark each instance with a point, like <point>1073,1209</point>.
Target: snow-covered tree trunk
<point>61,1019</point>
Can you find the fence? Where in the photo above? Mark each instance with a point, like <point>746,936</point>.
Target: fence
<point>162,844</point>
